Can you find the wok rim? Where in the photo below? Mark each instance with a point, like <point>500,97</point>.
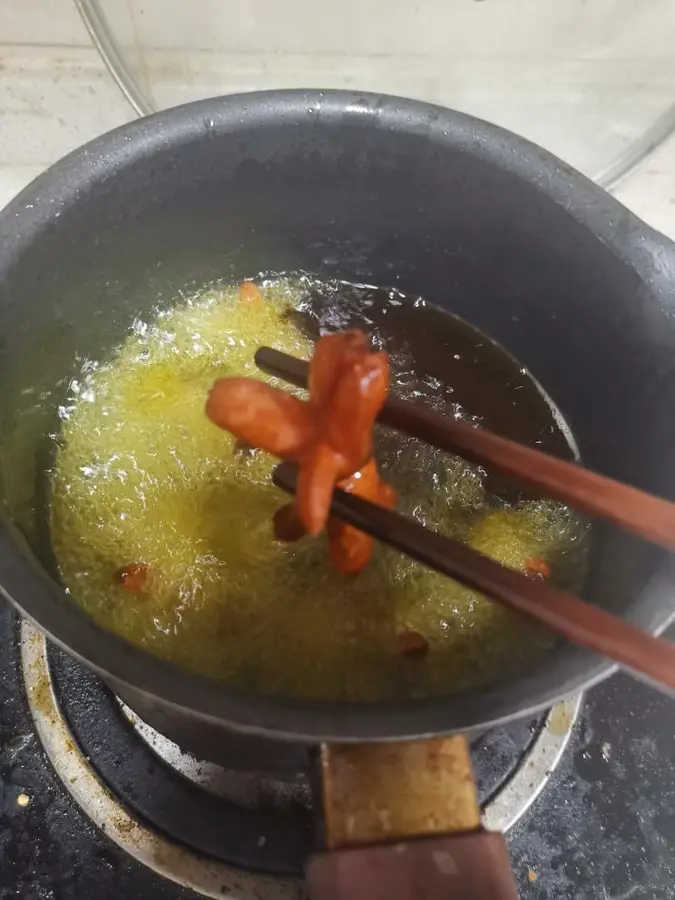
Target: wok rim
<point>27,586</point>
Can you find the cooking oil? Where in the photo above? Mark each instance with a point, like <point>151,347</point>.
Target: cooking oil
<point>142,479</point>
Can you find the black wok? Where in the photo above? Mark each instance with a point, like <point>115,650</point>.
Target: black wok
<point>367,188</point>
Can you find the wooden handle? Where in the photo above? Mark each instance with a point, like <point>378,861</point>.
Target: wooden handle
<point>384,792</point>
<point>473,866</point>
<point>643,514</point>
<point>580,622</point>
<point>403,822</point>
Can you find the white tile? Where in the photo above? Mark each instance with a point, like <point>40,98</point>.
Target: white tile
<point>585,112</point>
<point>516,29</point>
<point>41,22</point>
<point>583,78</point>
<point>53,100</point>
<point>120,17</point>
<point>14,178</point>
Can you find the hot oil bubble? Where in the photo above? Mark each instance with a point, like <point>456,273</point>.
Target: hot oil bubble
<point>142,477</point>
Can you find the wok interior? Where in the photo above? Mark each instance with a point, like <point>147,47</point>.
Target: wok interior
<point>344,196</point>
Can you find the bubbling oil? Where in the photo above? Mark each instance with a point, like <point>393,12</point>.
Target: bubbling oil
<point>142,477</point>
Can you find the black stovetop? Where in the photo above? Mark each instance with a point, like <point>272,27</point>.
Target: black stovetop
<point>603,828</point>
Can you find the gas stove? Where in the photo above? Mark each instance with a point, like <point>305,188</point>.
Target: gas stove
<point>95,803</point>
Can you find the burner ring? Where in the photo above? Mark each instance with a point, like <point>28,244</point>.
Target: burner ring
<point>513,799</point>
<point>506,806</point>
<point>208,876</point>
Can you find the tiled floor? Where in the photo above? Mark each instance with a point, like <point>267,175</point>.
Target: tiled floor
<point>55,94</point>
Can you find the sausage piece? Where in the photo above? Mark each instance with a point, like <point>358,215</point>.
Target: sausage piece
<point>329,436</point>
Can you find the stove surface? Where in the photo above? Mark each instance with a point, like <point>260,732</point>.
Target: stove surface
<point>602,827</point>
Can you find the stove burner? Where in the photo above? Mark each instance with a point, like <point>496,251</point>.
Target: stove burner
<point>138,786</point>
<point>247,790</point>
<point>209,877</point>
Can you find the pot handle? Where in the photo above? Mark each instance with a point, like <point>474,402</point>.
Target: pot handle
<point>402,822</point>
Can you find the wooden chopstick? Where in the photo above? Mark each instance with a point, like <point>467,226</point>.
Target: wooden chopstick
<point>642,514</point>
<point>578,621</point>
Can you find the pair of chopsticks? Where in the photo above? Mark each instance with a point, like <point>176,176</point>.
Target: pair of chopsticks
<point>580,622</point>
